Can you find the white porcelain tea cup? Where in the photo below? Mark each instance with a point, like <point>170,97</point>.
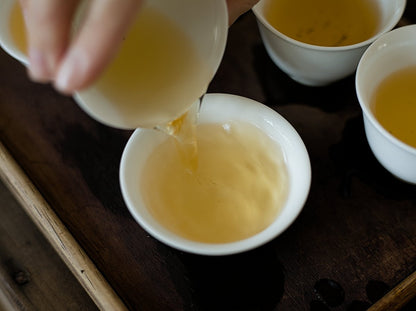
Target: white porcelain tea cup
<point>204,23</point>
<point>319,65</point>
<point>391,52</point>
<point>221,108</point>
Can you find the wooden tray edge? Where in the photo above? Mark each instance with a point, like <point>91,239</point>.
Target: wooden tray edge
<point>398,297</point>
<point>56,233</point>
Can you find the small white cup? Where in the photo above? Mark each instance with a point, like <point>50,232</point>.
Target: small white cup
<point>205,23</point>
<point>393,51</point>
<point>221,108</point>
<point>318,65</point>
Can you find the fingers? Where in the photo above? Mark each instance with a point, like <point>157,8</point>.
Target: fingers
<point>74,63</point>
<point>47,23</point>
<point>100,36</point>
<point>238,7</point>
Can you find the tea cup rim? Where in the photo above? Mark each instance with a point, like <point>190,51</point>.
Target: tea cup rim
<point>379,44</point>
<point>6,42</point>
<point>392,22</point>
<point>297,196</point>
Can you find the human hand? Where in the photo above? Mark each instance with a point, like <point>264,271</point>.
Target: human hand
<point>73,64</point>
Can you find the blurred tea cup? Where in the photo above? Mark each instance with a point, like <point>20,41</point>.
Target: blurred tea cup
<point>319,64</point>
<point>12,32</point>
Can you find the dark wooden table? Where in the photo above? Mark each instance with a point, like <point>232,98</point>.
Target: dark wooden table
<point>354,240</point>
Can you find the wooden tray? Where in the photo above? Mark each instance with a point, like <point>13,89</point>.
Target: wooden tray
<point>354,240</point>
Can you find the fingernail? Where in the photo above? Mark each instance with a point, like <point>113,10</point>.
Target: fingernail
<point>70,73</point>
<point>38,66</point>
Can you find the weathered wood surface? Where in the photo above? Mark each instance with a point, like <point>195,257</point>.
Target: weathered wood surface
<point>32,276</point>
<point>355,235</point>
<point>398,297</point>
<point>38,209</point>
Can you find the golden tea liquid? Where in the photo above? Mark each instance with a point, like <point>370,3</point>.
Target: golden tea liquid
<point>17,28</point>
<point>158,73</point>
<point>325,22</point>
<point>183,130</point>
<point>237,190</point>
<point>394,105</point>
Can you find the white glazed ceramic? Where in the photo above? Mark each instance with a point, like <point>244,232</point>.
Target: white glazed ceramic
<point>391,52</point>
<point>221,108</point>
<point>317,65</point>
<point>6,40</point>
<point>204,22</point>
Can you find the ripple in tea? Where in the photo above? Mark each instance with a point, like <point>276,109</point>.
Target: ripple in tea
<point>237,189</point>
<point>394,104</point>
<point>325,22</point>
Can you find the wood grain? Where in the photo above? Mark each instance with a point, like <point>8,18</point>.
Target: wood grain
<point>13,299</point>
<point>54,230</point>
<point>33,277</point>
<point>398,297</point>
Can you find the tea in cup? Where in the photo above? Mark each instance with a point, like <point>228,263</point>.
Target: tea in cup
<point>166,63</point>
<point>12,30</point>
<point>385,85</point>
<point>319,42</point>
<point>250,181</point>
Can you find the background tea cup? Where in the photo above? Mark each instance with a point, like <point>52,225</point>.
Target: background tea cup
<point>221,108</point>
<point>393,51</point>
<point>319,65</point>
